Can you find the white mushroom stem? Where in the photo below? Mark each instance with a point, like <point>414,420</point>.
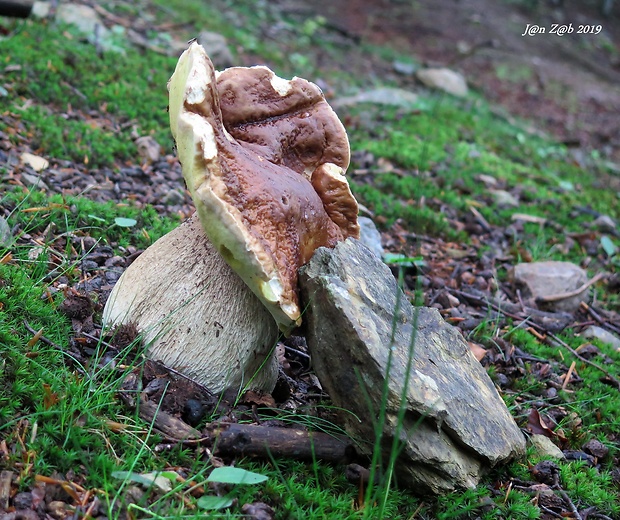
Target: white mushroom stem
<point>195,314</point>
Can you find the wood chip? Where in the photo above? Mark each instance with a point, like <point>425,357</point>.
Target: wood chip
<point>529,218</point>
<point>568,375</point>
<point>6,477</point>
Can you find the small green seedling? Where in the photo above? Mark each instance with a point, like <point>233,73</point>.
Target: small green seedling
<point>228,475</point>
<point>403,260</point>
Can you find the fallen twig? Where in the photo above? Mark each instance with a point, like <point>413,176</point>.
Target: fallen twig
<point>171,427</point>
<point>568,375</point>
<point>581,358</point>
<point>598,318</point>
<point>251,440</point>
<point>6,477</point>
<point>566,498</point>
<point>239,440</point>
<point>576,292</point>
<point>542,320</point>
<point>549,511</point>
<point>480,219</point>
<point>500,307</point>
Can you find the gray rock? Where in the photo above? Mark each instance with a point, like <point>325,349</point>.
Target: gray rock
<point>30,179</point>
<point>217,48</point>
<point>405,68</point>
<point>148,148</point>
<point>380,96</point>
<point>6,235</point>
<point>370,236</point>
<point>443,79</point>
<point>455,425</point>
<point>488,180</point>
<point>173,197</point>
<point>601,334</point>
<point>606,224</point>
<point>86,20</point>
<point>504,199</point>
<point>539,279</point>
<point>40,9</point>
<point>545,448</point>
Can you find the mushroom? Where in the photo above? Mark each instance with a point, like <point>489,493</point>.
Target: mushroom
<point>267,188</point>
<point>264,161</point>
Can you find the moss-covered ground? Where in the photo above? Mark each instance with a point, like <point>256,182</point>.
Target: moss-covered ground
<point>420,170</point>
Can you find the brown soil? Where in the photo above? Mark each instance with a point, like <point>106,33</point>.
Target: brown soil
<point>569,85</point>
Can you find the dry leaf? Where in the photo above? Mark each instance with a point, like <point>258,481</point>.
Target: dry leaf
<point>259,399</point>
<point>537,425</point>
<point>477,350</point>
<point>49,398</point>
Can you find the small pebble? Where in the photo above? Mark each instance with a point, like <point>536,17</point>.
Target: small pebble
<point>89,265</point>
<point>596,448</point>
<point>438,283</point>
<point>193,412</point>
<point>467,277</point>
<point>58,509</point>
<point>23,500</point>
<point>502,380</point>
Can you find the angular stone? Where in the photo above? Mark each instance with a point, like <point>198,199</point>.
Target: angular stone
<point>370,236</point>
<point>545,447</point>
<point>367,341</point>
<point>41,9</point>
<point>83,17</point>
<point>504,199</point>
<point>86,20</point>
<point>443,79</point>
<point>148,148</point>
<point>540,279</point>
<point>36,162</point>
<point>606,224</point>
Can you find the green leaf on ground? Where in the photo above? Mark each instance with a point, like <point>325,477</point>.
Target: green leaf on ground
<point>158,479</point>
<point>608,246</point>
<point>230,475</point>
<point>125,222</point>
<point>212,502</point>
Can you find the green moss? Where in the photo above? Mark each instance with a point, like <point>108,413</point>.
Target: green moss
<point>93,102</point>
<point>441,150</point>
<point>591,487</point>
<point>84,216</point>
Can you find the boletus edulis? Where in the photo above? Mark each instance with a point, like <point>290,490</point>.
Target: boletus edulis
<point>264,160</point>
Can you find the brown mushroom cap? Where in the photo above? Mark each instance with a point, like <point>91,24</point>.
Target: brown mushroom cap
<point>286,122</point>
<point>255,197</point>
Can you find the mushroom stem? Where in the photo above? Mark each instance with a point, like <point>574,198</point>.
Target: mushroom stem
<point>195,313</point>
